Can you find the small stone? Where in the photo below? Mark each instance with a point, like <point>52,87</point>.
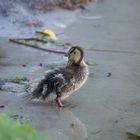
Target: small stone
<point>16,116</point>
<point>24,65</point>
<point>40,64</point>
<point>109,74</point>
<point>72,125</point>
<point>2,106</point>
<point>116,121</point>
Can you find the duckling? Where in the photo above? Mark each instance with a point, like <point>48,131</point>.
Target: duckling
<point>64,81</point>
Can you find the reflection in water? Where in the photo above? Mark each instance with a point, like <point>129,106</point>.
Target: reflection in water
<point>66,126</point>
<point>59,124</point>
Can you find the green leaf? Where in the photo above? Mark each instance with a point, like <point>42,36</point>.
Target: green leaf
<point>20,79</point>
<point>91,63</point>
<point>60,25</point>
<point>23,41</point>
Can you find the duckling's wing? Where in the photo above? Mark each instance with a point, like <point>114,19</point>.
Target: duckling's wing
<point>58,80</point>
<point>49,76</point>
<point>54,81</point>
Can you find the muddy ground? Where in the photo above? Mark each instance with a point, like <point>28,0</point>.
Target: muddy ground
<point>106,107</point>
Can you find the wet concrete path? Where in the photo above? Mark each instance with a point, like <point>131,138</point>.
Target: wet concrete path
<point>106,107</point>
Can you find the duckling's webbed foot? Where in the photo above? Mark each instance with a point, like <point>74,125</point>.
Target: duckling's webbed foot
<point>58,101</point>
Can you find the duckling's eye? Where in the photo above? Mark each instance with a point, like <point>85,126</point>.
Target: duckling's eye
<point>74,52</point>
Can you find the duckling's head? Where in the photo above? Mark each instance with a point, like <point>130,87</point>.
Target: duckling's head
<point>76,56</point>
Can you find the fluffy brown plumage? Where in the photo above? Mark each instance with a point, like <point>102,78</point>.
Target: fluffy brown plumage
<point>64,81</point>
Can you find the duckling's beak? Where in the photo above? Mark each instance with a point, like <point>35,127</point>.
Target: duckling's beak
<point>66,57</point>
<point>66,54</point>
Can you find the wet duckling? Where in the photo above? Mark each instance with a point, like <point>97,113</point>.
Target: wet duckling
<point>64,81</point>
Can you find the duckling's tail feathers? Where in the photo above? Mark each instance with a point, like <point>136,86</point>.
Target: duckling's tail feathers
<point>36,91</point>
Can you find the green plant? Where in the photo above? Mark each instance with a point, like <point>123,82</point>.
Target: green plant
<point>14,130</point>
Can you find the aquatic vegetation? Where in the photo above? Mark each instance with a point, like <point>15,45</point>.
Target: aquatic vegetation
<point>14,130</point>
<point>60,25</point>
<point>20,79</point>
<point>41,40</point>
<point>133,135</point>
<point>90,63</point>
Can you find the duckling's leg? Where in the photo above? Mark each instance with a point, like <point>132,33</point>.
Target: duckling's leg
<point>57,86</point>
<point>58,101</point>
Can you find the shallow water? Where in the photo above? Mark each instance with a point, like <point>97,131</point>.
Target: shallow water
<point>105,107</point>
